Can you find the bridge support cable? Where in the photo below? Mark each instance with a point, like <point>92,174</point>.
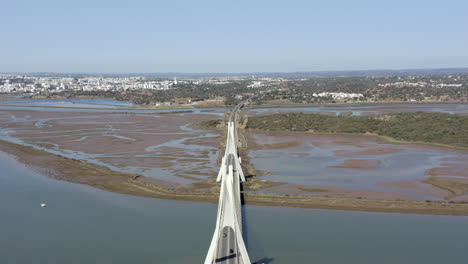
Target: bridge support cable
<point>227,244</point>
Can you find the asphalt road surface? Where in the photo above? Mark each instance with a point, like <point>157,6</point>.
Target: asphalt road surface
<point>227,251</point>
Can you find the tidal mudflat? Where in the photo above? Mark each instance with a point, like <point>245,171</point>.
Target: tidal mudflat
<point>166,154</point>
<point>162,146</point>
<point>359,166</point>
<point>355,166</point>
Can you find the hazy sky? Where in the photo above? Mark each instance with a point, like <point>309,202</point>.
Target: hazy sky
<point>231,36</point>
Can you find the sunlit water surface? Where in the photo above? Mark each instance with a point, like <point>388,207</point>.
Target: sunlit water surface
<point>85,225</point>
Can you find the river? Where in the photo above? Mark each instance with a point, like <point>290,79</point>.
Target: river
<point>69,102</point>
<point>85,225</point>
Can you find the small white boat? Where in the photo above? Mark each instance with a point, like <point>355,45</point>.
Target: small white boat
<point>43,205</point>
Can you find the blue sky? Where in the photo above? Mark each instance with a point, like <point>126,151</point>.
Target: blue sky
<point>231,36</point>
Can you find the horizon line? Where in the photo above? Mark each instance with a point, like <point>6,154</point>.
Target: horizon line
<point>227,72</point>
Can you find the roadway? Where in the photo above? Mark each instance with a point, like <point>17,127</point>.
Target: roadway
<point>227,245</point>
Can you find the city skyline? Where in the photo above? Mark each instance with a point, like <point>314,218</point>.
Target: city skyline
<point>241,37</point>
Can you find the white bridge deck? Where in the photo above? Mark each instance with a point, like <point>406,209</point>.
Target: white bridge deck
<point>227,245</point>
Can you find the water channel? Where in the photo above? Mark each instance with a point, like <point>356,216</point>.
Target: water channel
<point>85,225</point>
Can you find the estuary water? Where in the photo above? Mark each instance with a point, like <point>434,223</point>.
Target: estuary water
<point>320,161</point>
<point>367,109</point>
<point>85,225</point>
<point>69,102</point>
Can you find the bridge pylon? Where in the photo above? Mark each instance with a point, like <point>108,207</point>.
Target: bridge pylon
<point>227,244</point>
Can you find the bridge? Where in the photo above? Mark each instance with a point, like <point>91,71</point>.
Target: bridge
<point>227,245</point>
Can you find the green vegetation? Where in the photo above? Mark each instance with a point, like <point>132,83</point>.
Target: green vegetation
<point>293,89</point>
<point>372,88</point>
<point>194,92</point>
<point>211,123</point>
<point>420,126</point>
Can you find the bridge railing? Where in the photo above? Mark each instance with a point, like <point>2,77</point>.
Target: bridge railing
<point>229,207</point>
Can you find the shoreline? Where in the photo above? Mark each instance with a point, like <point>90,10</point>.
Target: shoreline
<point>251,106</point>
<point>107,108</point>
<point>346,104</point>
<point>383,138</point>
<point>456,189</point>
<point>77,171</point>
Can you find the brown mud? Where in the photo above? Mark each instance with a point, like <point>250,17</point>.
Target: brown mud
<point>76,171</point>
